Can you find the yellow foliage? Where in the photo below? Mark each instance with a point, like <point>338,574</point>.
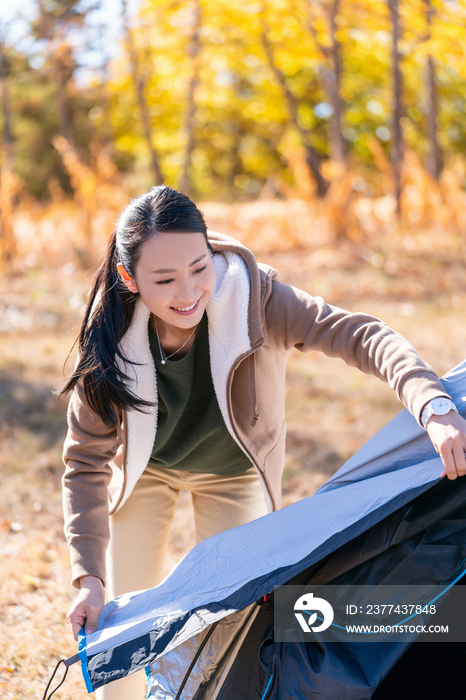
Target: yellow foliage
<point>98,190</point>
<point>347,213</point>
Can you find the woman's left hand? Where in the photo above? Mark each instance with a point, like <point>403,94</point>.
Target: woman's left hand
<point>448,435</point>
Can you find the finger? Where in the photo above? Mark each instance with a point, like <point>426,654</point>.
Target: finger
<point>91,625</point>
<point>76,617</point>
<point>460,461</point>
<point>76,628</point>
<point>78,609</point>
<point>93,613</point>
<point>448,462</point>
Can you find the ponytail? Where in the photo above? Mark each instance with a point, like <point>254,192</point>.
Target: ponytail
<point>107,317</point>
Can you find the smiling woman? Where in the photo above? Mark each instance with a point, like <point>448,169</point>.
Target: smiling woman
<point>144,261</point>
<point>180,384</point>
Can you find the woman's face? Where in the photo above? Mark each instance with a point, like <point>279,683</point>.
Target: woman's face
<point>175,277</point>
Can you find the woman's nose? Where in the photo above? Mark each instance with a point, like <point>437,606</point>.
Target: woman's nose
<point>185,291</point>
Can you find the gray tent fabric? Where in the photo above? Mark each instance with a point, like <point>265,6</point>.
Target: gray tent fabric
<point>161,629</point>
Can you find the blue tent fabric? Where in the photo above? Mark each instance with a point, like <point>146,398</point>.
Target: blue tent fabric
<point>232,570</point>
<point>424,541</point>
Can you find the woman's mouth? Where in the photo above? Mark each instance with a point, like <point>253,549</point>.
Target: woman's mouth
<point>186,310</point>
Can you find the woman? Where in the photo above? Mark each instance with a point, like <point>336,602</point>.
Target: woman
<point>180,384</point>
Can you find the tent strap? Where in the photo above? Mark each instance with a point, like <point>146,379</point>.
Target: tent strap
<point>195,658</point>
<point>45,697</point>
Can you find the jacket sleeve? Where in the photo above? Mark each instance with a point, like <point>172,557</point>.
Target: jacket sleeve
<point>87,452</point>
<point>296,319</point>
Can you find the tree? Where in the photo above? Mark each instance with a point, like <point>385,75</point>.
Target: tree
<point>332,74</point>
<point>55,20</point>
<point>7,143</point>
<point>139,83</point>
<point>434,158</point>
<point>8,179</point>
<point>397,105</point>
<point>312,157</point>
<point>194,51</point>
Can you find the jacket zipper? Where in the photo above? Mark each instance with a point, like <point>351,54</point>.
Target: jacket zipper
<point>230,415</point>
<point>252,388</point>
<point>256,415</point>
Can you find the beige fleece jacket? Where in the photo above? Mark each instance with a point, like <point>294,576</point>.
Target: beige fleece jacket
<point>254,322</point>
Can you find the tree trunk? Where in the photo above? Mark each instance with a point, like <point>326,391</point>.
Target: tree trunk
<point>6,110</point>
<point>61,77</point>
<point>434,157</point>
<point>397,140</point>
<point>194,53</point>
<point>332,75</point>
<point>140,88</point>
<point>8,178</point>
<point>312,158</point>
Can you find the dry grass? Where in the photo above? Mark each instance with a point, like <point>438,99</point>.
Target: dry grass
<point>415,282</point>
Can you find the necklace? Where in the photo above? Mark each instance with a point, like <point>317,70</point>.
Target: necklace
<point>162,354</point>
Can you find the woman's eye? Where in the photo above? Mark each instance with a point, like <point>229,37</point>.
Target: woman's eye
<point>196,272</point>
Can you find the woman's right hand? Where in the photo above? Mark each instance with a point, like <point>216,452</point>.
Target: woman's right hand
<point>87,605</point>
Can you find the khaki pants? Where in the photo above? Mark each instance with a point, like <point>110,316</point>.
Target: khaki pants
<point>139,534</point>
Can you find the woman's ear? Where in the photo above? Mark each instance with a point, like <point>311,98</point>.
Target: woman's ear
<point>127,279</point>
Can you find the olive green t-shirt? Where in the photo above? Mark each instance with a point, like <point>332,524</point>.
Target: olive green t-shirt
<point>191,433</point>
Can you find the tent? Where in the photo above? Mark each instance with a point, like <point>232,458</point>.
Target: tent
<point>207,630</point>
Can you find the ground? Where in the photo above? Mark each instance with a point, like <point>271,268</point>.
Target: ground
<point>331,411</point>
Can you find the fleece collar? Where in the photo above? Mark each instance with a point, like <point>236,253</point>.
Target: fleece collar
<point>225,244</point>
<point>229,315</point>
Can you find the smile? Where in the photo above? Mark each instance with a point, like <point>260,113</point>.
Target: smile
<point>186,309</point>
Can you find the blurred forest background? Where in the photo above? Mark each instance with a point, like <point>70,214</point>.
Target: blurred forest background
<point>327,135</point>
<point>355,107</point>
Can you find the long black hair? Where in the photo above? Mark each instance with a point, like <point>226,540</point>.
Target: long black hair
<point>110,307</point>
